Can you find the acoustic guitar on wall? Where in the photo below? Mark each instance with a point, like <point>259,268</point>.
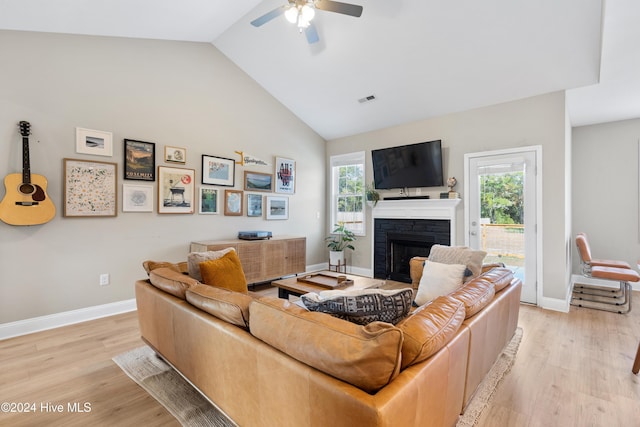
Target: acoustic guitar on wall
<point>26,201</point>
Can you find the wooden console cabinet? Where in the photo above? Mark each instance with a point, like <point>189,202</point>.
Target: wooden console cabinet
<point>263,260</point>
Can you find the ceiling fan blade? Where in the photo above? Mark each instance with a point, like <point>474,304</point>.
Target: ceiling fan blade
<point>338,7</point>
<point>311,33</point>
<point>268,16</point>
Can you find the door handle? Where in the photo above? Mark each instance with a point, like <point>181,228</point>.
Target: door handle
<point>473,233</point>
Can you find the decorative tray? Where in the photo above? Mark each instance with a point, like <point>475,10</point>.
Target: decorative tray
<point>325,280</point>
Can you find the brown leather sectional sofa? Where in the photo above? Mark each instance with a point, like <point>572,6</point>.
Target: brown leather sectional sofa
<point>267,362</point>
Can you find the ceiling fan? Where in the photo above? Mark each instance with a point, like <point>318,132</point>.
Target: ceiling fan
<point>301,12</point>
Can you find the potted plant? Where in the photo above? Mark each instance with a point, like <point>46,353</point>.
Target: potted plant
<point>340,240</point>
<point>371,194</point>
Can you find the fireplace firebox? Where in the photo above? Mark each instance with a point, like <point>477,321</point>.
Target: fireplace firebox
<point>396,241</point>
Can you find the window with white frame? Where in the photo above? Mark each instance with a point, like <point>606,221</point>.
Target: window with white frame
<point>347,191</point>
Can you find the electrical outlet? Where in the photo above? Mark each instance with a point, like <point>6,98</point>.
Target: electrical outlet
<point>104,279</point>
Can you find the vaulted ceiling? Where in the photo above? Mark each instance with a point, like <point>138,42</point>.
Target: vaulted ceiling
<point>419,59</point>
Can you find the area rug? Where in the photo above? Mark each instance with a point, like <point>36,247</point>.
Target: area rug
<point>169,388</point>
<point>191,409</point>
<point>490,383</point>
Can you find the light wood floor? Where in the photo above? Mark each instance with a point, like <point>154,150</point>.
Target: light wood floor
<point>571,370</point>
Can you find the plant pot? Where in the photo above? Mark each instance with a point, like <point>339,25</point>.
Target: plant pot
<point>336,257</point>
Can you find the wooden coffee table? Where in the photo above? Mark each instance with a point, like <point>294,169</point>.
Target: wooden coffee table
<point>303,283</point>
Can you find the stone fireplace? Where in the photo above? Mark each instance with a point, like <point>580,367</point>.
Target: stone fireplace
<point>403,229</point>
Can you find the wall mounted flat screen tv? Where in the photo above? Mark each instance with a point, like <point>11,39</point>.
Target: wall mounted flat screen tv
<point>408,166</point>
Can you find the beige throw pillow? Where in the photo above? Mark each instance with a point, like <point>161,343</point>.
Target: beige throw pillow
<point>438,279</point>
<point>472,259</point>
<point>195,258</point>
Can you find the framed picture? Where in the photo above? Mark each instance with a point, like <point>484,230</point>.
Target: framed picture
<point>96,142</point>
<point>256,181</point>
<point>90,188</point>
<point>254,205</point>
<point>208,201</point>
<point>277,207</point>
<point>233,202</point>
<point>218,171</point>
<point>139,160</point>
<point>175,190</point>
<point>175,154</point>
<point>285,173</point>
<point>137,198</point>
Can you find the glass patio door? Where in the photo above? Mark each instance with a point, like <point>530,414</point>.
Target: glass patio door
<point>501,201</point>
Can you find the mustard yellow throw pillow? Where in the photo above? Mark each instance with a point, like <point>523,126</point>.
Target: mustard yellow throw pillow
<point>225,272</point>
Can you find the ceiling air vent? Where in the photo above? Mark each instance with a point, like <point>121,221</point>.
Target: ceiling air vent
<point>367,99</point>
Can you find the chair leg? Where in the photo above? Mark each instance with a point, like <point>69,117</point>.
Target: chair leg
<point>636,363</point>
<point>605,299</point>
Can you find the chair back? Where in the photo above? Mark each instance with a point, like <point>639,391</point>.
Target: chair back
<point>585,253</point>
<point>583,247</point>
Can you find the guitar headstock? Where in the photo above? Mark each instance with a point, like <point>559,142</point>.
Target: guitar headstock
<point>25,128</point>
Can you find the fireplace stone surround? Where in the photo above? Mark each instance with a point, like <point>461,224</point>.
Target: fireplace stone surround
<point>406,228</point>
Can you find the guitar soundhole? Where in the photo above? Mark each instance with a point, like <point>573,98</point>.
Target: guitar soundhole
<point>27,189</point>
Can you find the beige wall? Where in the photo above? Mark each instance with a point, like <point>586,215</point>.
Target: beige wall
<point>539,120</point>
<point>605,189</point>
<point>170,93</point>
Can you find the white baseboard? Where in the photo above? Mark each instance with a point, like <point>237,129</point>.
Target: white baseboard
<point>555,304</point>
<point>317,267</point>
<point>365,272</point>
<point>42,323</point>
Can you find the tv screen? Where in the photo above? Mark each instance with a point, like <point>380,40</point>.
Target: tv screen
<point>408,166</point>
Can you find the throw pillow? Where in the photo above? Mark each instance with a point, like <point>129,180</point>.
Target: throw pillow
<point>438,279</point>
<point>459,255</point>
<point>195,258</point>
<point>225,272</point>
<point>362,306</point>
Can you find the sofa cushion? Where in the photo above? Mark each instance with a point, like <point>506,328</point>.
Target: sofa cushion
<point>475,295</point>
<point>367,357</point>
<point>171,281</point>
<point>430,328</point>
<point>195,258</point>
<point>225,272</point>
<point>362,306</point>
<point>180,267</point>
<point>459,255</point>
<point>500,277</point>
<point>438,279</point>
<point>230,306</point>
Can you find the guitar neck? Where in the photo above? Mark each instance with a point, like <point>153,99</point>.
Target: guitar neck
<point>26,169</point>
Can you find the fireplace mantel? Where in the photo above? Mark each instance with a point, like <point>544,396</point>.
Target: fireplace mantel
<point>419,209</point>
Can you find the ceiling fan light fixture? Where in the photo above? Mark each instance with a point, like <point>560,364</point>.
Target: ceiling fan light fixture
<point>307,12</point>
<point>302,23</point>
<point>291,14</point>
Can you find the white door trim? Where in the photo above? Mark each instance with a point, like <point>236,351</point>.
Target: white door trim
<point>537,149</point>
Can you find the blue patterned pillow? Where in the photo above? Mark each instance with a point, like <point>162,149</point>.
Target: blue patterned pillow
<point>362,306</point>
